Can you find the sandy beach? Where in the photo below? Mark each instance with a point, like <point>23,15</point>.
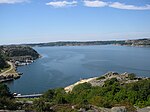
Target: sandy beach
<point>69,88</point>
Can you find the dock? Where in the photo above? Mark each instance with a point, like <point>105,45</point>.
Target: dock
<point>28,96</point>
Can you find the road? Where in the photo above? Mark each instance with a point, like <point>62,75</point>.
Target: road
<point>5,73</point>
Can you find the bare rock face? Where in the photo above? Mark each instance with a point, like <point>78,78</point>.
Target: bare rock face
<point>119,109</point>
<point>12,111</point>
<point>146,109</point>
<point>122,78</point>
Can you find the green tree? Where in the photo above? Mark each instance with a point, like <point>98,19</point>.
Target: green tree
<point>131,76</point>
<point>4,91</point>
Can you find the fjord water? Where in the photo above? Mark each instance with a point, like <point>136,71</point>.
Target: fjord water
<point>62,66</point>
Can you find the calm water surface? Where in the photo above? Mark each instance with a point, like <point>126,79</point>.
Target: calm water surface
<point>62,66</point>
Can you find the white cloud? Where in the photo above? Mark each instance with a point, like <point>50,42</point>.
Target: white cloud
<point>62,3</point>
<point>118,5</point>
<point>96,3</point>
<point>12,1</point>
<point>128,7</point>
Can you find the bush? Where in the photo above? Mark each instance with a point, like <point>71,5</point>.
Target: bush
<point>110,82</point>
<point>131,76</point>
<point>3,63</point>
<point>4,91</point>
<point>82,87</point>
<point>6,100</point>
<point>100,78</point>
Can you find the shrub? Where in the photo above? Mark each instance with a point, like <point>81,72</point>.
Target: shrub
<point>100,78</point>
<point>131,76</point>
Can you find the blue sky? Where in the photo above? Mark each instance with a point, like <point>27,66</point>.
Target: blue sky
<point>33,21</point>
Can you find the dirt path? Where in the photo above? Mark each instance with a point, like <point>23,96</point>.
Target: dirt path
<point>9,71</point>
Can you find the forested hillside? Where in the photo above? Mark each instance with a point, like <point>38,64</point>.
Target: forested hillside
<point>3,63</point>
<point>16,51</point>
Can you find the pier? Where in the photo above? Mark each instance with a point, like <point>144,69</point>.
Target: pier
<point>28,96</point>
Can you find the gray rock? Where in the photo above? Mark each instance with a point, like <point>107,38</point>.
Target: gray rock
<point>13,111</point>
<point>119,109</point>
<point>146,109</point>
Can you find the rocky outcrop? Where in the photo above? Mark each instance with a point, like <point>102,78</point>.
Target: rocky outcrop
<point>13,111</point>
<point>100,81</point>
<point>122,78</point>
<point>146,109</point>
<point>9,74</point>
<point>100,109</point>
<point>119,109</point>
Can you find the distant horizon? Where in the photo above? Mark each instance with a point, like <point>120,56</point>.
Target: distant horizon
<point>71,41</point>
<point>30,21</point>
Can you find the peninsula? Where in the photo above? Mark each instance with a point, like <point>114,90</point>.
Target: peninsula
<point>13,56</point>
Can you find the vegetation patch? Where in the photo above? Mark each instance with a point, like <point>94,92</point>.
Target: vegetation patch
<point>84,97</point>
<point>110,95</point>
<point>99,78</point>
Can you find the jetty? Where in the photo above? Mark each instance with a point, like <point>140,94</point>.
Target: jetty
<point>28,96</point>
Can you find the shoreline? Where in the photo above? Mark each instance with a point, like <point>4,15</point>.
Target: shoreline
<point>17,55</point>
<point>128,45</point>
<point>123,78</point>
<point>70,87</point>
<point>10,74</point>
